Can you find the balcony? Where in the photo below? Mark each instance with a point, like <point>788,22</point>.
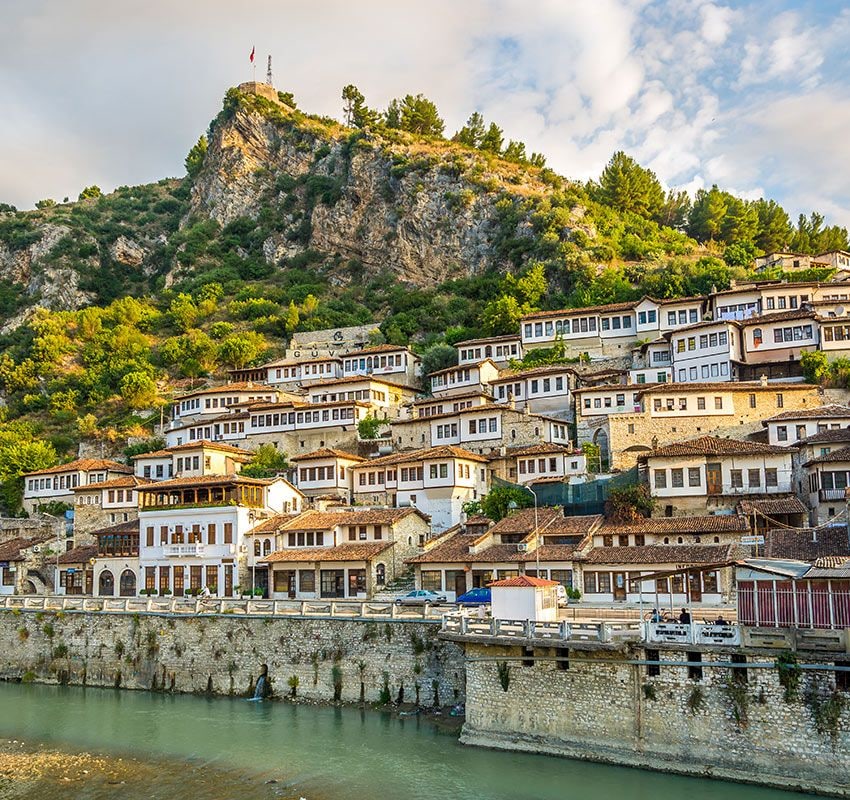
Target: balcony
<point>195,549</point>
<point>832,494</point>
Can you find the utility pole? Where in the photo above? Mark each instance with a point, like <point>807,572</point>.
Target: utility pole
<point>269,73</point>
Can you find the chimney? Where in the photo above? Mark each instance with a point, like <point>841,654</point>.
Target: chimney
<point>814,535</point>
<point>763,380</point>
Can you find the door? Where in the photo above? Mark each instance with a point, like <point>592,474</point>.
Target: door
<point>713,478</point>
<point>178,582</point>
<point>333,583</point>
<point>106,584</point>
<point>619,587</point>
<point>456,581</point>
<point>127,584</point>
<point>89,580</point>
<point>694,587</point>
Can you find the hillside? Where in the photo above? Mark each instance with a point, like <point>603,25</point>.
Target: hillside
<point>286,221</point>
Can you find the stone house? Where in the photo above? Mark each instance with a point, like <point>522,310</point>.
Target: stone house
<point>347,553</point>
<point>99,504</point>
<point>711,474</point>
<point>539,462</point>
<point>26,563</point>
<point>673,412</point>
<point>57,484</point>
<point>438,481</point>
<point>826,485</point>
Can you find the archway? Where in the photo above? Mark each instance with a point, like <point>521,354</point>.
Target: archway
<point>380,574</point>
<point>128,583</point>
<point>600,439</point>
<point>106,584</point>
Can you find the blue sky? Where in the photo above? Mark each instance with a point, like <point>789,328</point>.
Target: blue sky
<point>754,96</point>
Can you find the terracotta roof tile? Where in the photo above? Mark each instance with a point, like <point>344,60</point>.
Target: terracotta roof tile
<point>359,379</point>
<point>208,445</point>
<point>153,454</point>
<point>378,348</point>
<point>426,454</point>
<point>11,550</point>
<point>242,386</point>
<point>83,464</point>
<point>541,448</point>
<point>204,480</point>
<point>714,446</point>
<point>78,555</point>
<point>831,411</point>
<point>354,551</point>
<point>273,524</point>
<point>506,375</point>
<point>131,526</point>
<point>326,452</point>
<point>779,316</point>
<point>840,455</point>
<point>509,337</point>
<point>806,544</point>
<point>524,582</point>
<point>712,523</point>
<point>125,482</point>
<point>773,505</point>
<point>825,437</point>
<point>662,554</point>
<point>729,386</point>
<point>325,520</point>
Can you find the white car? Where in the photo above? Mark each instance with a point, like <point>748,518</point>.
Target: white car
<point>418,597</point>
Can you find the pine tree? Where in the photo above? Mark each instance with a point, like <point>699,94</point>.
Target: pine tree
<point>774,226</point>
<point>352,98</point>
<point>493,140</point>
<point>419,115</point>
<point>627,186</point>
<point>515,151</point>
<point>472,133</point>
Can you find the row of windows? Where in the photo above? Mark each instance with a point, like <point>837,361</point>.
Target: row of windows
<point>531,466</point>
<point>694,477</point>
<point>455,376</point>
<point>500,351</point>
<point>301,417</point>
<point>618,401</point>
<point>782,302</point>
<point>483,425</point>
<point>602,583</point>
<point>797,333</point>
<point>670,404</point>
<point>370,363</point>
<point>412,474</point>
<point>717,369</point>
<point>193,463</point>
<point>159,470</point>
<point>224,402</point>
<point>647,317</point>
<point>189,535</point>
<point>306,539</point>
<point>320,473</point>
<point>440,408</point>
<point>705,340</point>
<point>63,481</point>
<point>836,333</point>
<point>360,394</point>
<point>660,377</point>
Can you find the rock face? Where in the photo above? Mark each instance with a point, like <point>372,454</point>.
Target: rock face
<point>424,211</point>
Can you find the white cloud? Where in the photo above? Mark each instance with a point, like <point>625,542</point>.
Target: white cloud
<point>697,90</point>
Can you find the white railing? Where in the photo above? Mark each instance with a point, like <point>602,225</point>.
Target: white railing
<point>694,633</point>
<point>178,550</point>
<point>463,624</point>
<point>336,609</point>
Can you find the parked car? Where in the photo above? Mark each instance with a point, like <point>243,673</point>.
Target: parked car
<point>475,597</point>
<point>418,597</point>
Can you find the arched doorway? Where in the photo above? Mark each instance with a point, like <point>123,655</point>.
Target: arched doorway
<point>106,584</point>
<point>380,574</point>
<point>600,439</point>
<point>128,583</point>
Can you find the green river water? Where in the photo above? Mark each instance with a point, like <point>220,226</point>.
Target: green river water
<point>200,749</point>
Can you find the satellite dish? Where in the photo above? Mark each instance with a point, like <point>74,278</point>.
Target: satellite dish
<point>36,548</point>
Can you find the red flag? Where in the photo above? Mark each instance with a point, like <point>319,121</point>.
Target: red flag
<point>251,59</point>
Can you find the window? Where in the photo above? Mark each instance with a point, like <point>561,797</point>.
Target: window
<point>694,476</point>
<point>752,401</point>
<point>695,670</point>
<point>718,403</point>
<point>771,477</point>
<point>604,582</point>
<point>590,583</point>
<point>432,580</point>
<point>782,433</point>
<point>754,478</point>
<point>736,477</point>
<point>701,404</point>
<point>660,476</point>
<point>653,670</point>
<point>780,401</point>
<point>623,540</point>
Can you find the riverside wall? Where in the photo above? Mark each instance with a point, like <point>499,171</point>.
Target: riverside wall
<point>348,660</point>
<point>599,706</point>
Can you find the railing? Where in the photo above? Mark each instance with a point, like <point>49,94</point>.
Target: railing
<point>694,633</point>
<point>463,624</point>
<point>177,550</point>
<point>832,494</point>
<point>336,609</point>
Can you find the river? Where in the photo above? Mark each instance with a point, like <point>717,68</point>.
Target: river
<point>100,744</point>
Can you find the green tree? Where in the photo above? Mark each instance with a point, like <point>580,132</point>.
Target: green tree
<point>674,211</point>
<point>90,193</point>
<point>419,115</point>
<point>707,214</point>
<point>184,311</point>
<point>627,186</point>
<point>239,349</point>
<point>438,356</point>
<point>537,160</point>
<point>267,462</point>
<point>195,158</point>
<point>740,223</point>
<point>392,116</point>
<point>629,503</point>
<point>741,254</point>
<point>472,133</point>
<point>515,151</point>
<point>774,226</point>
<point>500,501</point>
<point>138,389</point>
<point>502,315</point>
<point>46,203</point>
<point>815,366</point>
<point>493,140</point>
<point>369,427</point>
<point>357,113</point>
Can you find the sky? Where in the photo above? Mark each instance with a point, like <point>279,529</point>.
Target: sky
<point>753,96</point>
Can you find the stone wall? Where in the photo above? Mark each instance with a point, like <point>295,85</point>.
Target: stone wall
<point>604,708</point>
<point>224,654</point>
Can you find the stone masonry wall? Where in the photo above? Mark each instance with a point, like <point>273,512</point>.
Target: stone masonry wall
<point>605,709</point>
<point>225,654</point>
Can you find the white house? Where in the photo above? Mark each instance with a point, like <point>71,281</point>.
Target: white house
<point>437,481</point>
<point>463,379</point>
<point>711,473</point>
<point>192,529</point>
<point>778,337</point>
<point>544,462</point>
<point>384,396</point>
<point>325,472</point>
<point>826,485</point>
<point>543,390</point>
<point>57,484</point>
<point>215,400</point>
<point>704,352</point>
<point>435,406</point>
<point>399,364</point>
<point>789,427</point>
<point>293,373</point>
<point>501,349</point>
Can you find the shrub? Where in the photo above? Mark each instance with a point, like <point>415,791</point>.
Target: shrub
<point>504,672</point>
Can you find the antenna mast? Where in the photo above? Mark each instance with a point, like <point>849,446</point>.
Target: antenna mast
<point>269,73</point>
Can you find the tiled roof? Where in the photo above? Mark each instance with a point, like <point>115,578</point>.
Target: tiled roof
<point>245,386</point>
<point>378,348</point>
<point>354,551</point>
<point>204,480</point>
<point>779,316</point>
<point>324,520</point>
<point>125,482</point>
<point>568,312</point>
<point>541,448</point>
<point>506,375</point>
<point>463,366</point>
<point>831,411</point>
<point>712,523</point>
<point>523,520</point>
<point>771,506</point>
<point>422,401</point>
<point>10,550</point>
<point>292,362</point>
<point>326,452</point>
<point>573,526</point>
<point>840,455</point>
<point>153,454</point>
<point>524,582</point>
<point>84,465</point>
<point>715,446</point>
<point>131,526</point>
<point>78,555</point>
<point>208,445</point>
<point>825,437</point>
<point>806,544</point>
<point>662,554</point>
<point>359,379</point>
<point>273,524</point>
<point>830,567</point>
<point>426,454</point>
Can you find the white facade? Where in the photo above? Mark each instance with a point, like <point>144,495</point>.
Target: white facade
<point>778,337</point>
<point>704,353</point>
<point>541,390</point>
<point>463,379</point>
<point>214,402</point>
<point>325,472</point>
<point>501,349</point>
<point>57,484</point>
<point>615,398</point>
<point>291,374</point>
<point>790,427</point>
<point>398,363</point>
